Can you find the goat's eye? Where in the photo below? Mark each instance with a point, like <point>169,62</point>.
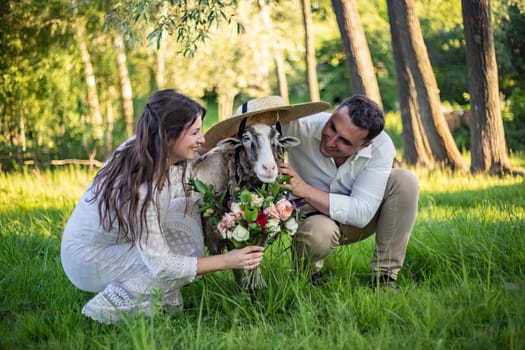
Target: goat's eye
<point>246,138</point>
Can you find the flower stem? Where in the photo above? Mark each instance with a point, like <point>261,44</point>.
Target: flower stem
<point>253,279</point>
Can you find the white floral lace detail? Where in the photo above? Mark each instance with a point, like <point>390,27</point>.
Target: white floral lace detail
<point>183,229</point>
<point>117,295</point>
<point>114,302</point>
<point>140,285</point>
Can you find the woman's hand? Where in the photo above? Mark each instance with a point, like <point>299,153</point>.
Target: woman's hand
<point>247,258</point>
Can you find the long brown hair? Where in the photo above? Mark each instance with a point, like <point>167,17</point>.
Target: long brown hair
<point>142,160</point>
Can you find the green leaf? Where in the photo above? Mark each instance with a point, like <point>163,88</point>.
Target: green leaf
<point>251,214</point>
<point>246,196</point>
<point>283,179</point>
<point>254,228</point>
<point>275,188</point>
<point>220,198</point>
<point>200,186</point>
<point>267,201</point>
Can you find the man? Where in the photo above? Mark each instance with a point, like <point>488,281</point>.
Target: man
<point>342,174</point>
<point>342,171</point>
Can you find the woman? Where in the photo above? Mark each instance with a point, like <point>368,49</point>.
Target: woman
<point>135,233</point>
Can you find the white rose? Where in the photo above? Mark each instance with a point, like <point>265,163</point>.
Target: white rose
<point>273,226</point>
<point>227,234</point>
<point>240,234</point>
<point>236,208</point>
<point>291,226</point>
<point>257,200</point>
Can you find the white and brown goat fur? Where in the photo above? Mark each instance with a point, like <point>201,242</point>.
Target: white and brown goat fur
<point>245,161</point>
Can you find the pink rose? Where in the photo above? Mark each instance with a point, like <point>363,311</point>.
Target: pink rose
<point>285,208</point>
<point>226,224</point>
<point>273,212</point>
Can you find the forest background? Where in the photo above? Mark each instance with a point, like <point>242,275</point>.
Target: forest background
<point>72,88</point>
<point>75,75</point>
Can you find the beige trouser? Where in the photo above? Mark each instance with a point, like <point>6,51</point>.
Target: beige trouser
<point>318,235</point>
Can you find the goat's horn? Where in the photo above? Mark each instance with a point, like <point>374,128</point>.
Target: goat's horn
<point>242,126</point>
<point>278,127</point>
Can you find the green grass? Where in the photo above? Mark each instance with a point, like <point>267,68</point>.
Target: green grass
<point>463,285</point>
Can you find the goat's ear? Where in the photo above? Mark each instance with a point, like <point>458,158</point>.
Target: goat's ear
<point>289,141</point>
<point>230,143</point>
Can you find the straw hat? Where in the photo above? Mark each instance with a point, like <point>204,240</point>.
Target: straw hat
<point>267,110</point>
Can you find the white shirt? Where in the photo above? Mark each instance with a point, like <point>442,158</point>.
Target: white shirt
<point>357,187</point>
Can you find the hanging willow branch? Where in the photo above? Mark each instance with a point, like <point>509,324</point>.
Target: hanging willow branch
<point>188,20</point>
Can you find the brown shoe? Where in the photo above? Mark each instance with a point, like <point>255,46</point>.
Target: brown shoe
<point>318,279</point>
<point>385,281</point>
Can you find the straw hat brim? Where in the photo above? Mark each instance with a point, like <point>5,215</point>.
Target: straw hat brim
<point>229,127</point>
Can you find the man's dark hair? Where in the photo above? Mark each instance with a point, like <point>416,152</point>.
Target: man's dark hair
<point>365,114</point>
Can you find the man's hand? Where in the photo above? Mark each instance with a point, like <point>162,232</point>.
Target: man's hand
<point>296,185</point>
<point>315,197</point>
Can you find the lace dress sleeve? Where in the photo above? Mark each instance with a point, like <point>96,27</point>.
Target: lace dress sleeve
<point>172,244</point>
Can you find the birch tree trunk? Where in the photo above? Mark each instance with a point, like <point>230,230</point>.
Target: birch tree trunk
<point>126,92</point>
<point>281,76</point>
<point>225,99</point>
<point>160,72</point>
<point>363,79</point>
<point>110,120</point>
<point>92,95</point>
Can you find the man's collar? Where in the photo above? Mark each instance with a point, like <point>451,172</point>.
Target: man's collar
<point>367,151</point>
<point>318,134</point>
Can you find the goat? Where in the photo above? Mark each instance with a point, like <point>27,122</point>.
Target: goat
<point>245,161</point>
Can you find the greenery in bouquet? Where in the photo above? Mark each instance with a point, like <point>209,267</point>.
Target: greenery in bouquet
<point>254,217</point>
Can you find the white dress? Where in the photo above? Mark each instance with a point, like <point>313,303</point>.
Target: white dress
<point>165,258</point>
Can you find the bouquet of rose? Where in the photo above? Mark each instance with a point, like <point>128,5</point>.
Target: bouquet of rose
<point>249,218</point>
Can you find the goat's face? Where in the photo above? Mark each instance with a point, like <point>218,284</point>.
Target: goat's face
<point>264,148</point>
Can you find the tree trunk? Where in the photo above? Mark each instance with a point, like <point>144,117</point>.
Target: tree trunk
<point>414,49</point>
<point>363,79</point>
<point>416,149</point>
<point>126,93</point>
<point>110,120</point>
<point>488,147</point>
<point>22,133</point>
<point>281,75</point>
<point>264,49</point>
<point>93,102</point>
<point>17,135</point>
<point>161,54</point>
<point>225,99</point>
<point>311,65</point>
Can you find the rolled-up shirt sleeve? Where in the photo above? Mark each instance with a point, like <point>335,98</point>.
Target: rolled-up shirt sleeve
<point>367,192</point>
